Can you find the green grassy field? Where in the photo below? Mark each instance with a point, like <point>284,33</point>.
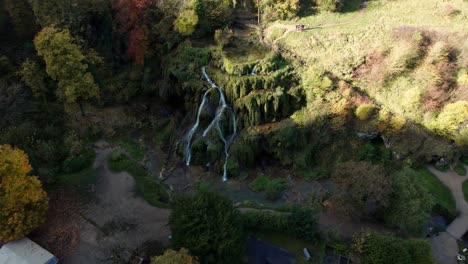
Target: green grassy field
<point>80,179</point>
<point>339,42</point>
<point>147,186</point>
<point>442,195</point>
<point>132,147</point>
<point>295,246</point>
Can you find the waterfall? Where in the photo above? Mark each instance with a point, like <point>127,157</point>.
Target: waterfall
<point>215,122</point>
<point>254,70</point>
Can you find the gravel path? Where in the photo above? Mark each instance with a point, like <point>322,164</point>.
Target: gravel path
<point>445,246</point>
<point>118,221</point>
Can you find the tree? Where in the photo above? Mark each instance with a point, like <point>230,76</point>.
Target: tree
<point>35,78</point>
<point>374,248</point>
<point>278,9</point>
<point>362,188</point>
<point>410,204</point>
<point>330,5</point>
<point>451,122</point>
<point>22,17</point>
<point>132,17</point>
<point>66,64</point>
<point>23,203</point>
<point>209,226</point>
<point>365,111</point>
<point>175,257</point>
<point>186,22</point>
<point>214,14</point>
<point>303,223</point>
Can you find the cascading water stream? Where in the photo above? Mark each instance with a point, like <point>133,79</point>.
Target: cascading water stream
<point>254,70</point>
<point>216,121</point>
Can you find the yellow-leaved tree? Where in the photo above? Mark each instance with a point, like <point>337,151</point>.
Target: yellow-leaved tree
<point>23,202</point>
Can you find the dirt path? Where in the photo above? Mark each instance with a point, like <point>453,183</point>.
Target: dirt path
<point>291,28</point>
<point>118,222</point>
<point>445,246</point>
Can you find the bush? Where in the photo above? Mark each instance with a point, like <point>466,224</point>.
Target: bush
<point>209,226</point>
<point>330,5</point>
<point>300,223</point>
<point>365,111</point>
<point>260,184</point>
<point>460,169</point>
<point>186,22</point>
<point>303,223</point>
<point>275,188</point>
<point>279,9</point>
<point>375,248</point>
<point>77,163</point>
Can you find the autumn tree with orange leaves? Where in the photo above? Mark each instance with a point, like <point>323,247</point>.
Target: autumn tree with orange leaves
<point>131,15</point>
<point>23,202</point>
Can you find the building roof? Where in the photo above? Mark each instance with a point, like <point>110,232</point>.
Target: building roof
<point>25,251</point>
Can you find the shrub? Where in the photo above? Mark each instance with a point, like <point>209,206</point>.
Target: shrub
<point>375,248</point>
<point>303,223</point>
<point>77,163</point>
<point>209,226</point>
<point>460,169</point>
<point>365,111</point>
<point>279,9</point>
<point>186,22</point>
<point>275,188</point>
<point>330,5</point>
<point>260,184</point>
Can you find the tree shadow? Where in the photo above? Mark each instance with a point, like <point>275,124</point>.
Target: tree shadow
<point>351,6</point>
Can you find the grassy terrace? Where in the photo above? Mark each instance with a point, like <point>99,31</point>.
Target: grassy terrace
<point>442,195</point>
<point>344,39</point>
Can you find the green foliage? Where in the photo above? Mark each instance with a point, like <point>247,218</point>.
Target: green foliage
<point>303,223</point>
<point>450,121</point>
<point>150,189</point>
<point>260,184</point>
<point>66,63</point>
<point>330,5</point>
<point>186,22</point>
<point>404,56</point>
<point>410,204</point>
<point>362,188</point>
<point>134,148</point>
<point>369,152</point>
<point>375,248</point>
<point>315,83</point>
<point>34,77</point>
<point>79,162</point>
<point>278,9</point>
<point>275,188</point>
<point>175,257</point>
<point>300,223</point>
<point>460,169</point>
<point>214,14</point>
<point>365,111</point>
<point>464,160</point>
<point>272,188</point>
<point>209,226</point>
<point>442,195</point>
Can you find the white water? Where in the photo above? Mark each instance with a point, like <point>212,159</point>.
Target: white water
<point>254,70</point>
<point>216,121</point>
